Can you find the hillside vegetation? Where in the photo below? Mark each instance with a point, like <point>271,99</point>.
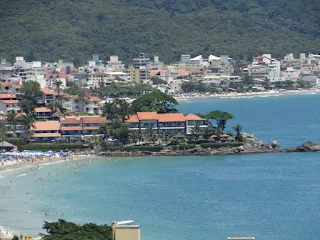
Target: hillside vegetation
<point>75,29</point>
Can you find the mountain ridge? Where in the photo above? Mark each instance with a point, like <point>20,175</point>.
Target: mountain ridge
<point>74,30</point>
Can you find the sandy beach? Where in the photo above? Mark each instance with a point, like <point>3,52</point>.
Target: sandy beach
<point>34,161</point>
<point>186,96</point>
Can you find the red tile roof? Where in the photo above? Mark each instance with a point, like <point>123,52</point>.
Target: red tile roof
<point>10,101</point>
<point>42,109</point>
<point>171,117</point>
<point>94,119</point>
<point>6,84</point>
<point>133,119</point>
<point>70,120</point>
<point>193,117</point>
<point>57,75</point>
<point>93,99</point>
<point>97,74</point>
<point>46,126</point>
<point>6,96</point>
<point>48,91</point>
<point>147,116</point>
<point>168,117</point>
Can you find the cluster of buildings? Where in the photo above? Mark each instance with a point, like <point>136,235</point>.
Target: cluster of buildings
<point>63,128</point>
<point>211,70</point>
<point>49,127</point>
<point>264,68</point>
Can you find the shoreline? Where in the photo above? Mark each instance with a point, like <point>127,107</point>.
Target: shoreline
<point>6,233</point>
<point>271,93</point>
<point>45,161</point>
<point>240,150</point>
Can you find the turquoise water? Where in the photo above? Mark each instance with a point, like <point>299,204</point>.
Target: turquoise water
<point>290,119</point>
<point>269,196</point>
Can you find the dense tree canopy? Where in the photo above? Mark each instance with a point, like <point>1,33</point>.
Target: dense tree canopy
<point>155,101</point>
<point>119,90</point>
<point>30,92</point>
<point>118,109</point>
<point>220,117</point>
<point>74,30</point>
<point>63,230</point>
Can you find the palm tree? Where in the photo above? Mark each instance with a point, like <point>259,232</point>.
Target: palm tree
<point>27,121</point>
<point>149,133</point>
<point>217,132</point>
<point>166,138</point>
<point>206,133</point>
<point>196,131</point>
<point>3,134</point>
<point>95,142</point>
<point>105,129</point>
<point>154,138</point>
<point>12,120</point>
<point>133,137</point>
<point>238,129</point>
<point>123,108</point>
<point>140,137</point>
<point>58,84</point>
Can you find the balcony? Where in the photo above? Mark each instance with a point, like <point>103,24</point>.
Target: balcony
<point>43,115</point>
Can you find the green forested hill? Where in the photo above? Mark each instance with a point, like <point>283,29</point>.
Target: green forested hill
<point>75,29</point>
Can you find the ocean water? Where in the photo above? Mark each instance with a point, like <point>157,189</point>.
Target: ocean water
<point>269,196</point>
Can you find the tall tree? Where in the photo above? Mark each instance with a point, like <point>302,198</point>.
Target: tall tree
<point>63,230</point>
<point>118,109</point>
<point>155,101</point>
<point>220,117</point>
<point>105,129</point>
<point>133,135</point>
<point>12,120</point>
<point>149,133</point>
<point>30,91</point>
<point>238,129</point>
<point>27,121</point>
<point>247,81</point>
<point>3,134</point>
<point>196,131</point>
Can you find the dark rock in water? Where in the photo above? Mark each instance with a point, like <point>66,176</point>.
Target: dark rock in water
<point>308,147</point>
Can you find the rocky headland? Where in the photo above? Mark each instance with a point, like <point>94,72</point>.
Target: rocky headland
<point>250,145</point>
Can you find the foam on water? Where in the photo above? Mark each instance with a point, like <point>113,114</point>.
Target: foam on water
<point>21,175</point>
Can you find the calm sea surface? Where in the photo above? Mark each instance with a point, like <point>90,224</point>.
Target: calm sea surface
<point>269,196</point>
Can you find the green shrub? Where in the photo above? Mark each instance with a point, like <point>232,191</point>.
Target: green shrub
<point>50,146</point>
<point>142,148</point>
<point>14,141</point>
<point>112,148</point>
<point>220,145</point>
<point>183,147</point>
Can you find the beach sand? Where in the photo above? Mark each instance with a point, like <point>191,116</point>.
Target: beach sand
<point>186,96</point>
<point>14,164</point>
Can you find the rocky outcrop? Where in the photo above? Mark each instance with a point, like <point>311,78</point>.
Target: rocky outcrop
<point>257,147</point>
<point>308,147</point>
<point>275,145</point>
